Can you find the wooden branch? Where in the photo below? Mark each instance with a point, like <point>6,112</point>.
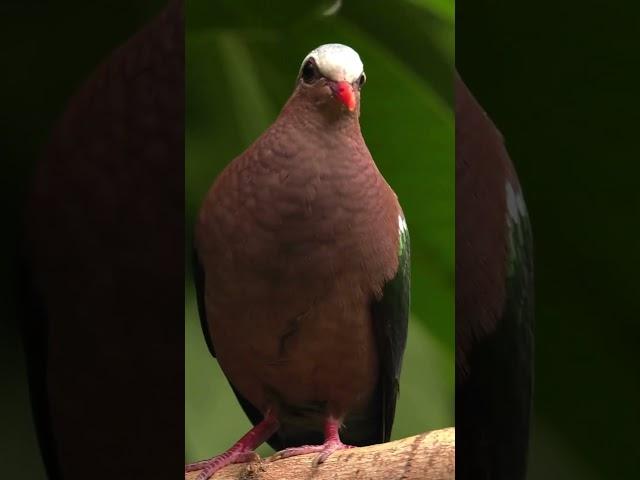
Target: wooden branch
<point>428,456</point>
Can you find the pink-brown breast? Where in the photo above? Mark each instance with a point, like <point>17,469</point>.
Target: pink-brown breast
<point>296,239</point>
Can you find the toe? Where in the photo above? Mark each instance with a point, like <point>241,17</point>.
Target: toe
<point>328,450</point>
<point>295,451</point>
<point>195,466</point>
<point>323,451</point>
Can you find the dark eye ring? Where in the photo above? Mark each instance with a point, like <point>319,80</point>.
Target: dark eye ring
<point>310,72</point>
<point>362,79</point>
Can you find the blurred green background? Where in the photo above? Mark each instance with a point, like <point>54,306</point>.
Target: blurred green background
<point>242,61</point>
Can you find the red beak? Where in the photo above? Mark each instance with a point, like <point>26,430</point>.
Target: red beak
<point>344,92</point>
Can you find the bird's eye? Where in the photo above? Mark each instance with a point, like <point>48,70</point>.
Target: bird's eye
<point>362,80</point>
<point>310,71</point>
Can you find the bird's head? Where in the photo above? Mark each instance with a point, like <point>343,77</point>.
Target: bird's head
<point>332,75</point>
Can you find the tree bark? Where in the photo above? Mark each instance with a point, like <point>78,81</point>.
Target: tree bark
<point>428,456</point>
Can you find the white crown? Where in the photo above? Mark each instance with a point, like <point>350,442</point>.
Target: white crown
<point>337,62</point>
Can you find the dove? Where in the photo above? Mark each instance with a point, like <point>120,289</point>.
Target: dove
<point>302,274</point>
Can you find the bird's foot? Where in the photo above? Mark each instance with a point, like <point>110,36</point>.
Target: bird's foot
<point>332,443</point>
<point>240,452</point>
<point>323,451</point>
<point>209,467</point>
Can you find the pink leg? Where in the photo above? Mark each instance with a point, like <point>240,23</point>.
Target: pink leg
<point>241,451</point>
<point>332,443</point>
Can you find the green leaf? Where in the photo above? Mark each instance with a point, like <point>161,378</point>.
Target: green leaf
<point>442,8</point>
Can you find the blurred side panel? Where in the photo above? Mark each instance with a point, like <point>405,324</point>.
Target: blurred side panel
<point>559,81</point>
<point>101,265</point>
<point>494,302</point>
